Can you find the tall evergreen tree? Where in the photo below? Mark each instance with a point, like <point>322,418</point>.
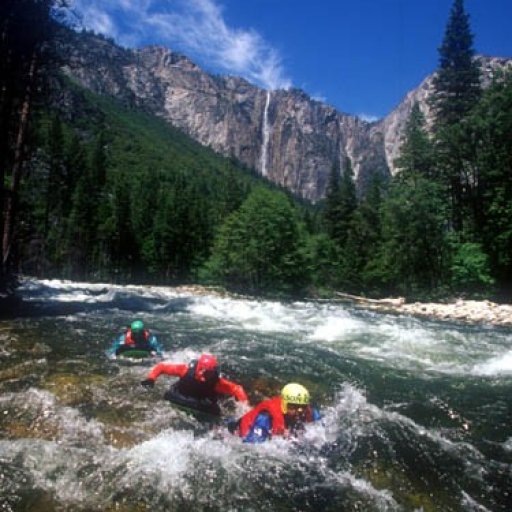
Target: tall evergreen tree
<point>341,202</point>
<point>487,137</point>
<point>123,249</point>
<point>364,237</point>
<point>457,83</point>
<point>26,28</point>
<point>457,90</point>
<point>81,230</point>
<point>416,151</point>
<point>348,195</point>
<point>76,166</point>
<point>56,173</point>
<point>332,213</point>
<point>412,255</point>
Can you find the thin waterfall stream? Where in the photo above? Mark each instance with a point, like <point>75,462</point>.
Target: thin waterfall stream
<point>265,136</point>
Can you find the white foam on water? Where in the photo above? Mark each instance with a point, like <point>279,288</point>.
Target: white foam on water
<point>74,291</point>
<point>170,458</point>
<point>337,327</point>
<point>52,466</point>
<point>471,504</point>
<point>43,409</point>
<point>401,342</point>
<point>248,314</point>
<point>495,366</point>
<point>352,417</point>
<point>507,445</point>
<point>413,344</point>
<point>381,497</point>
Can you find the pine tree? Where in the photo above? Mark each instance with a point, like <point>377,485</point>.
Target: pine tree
<point>348,199</point>
<point>457,83</point>
<point>331,213</point>
<point>364,237</point>
<point>123,249</point>
<point>412,255</point>
<point>457,90</point>
<point>416,151</point>
<point>81,229</point>
<point>26,29</point>
<point>341,202</point>
<point>56,172</point>
<point>487,138</point>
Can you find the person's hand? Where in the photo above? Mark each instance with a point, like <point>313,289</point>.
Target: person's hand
<point>148,383</point>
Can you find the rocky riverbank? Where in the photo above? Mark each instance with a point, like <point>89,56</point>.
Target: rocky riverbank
<point>456,310</point>
<point>459,310</point>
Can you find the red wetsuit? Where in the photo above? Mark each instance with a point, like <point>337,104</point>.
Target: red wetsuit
<point>272,406</point>
<point>222,386</point>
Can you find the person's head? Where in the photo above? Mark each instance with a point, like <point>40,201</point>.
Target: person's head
<point>207,368</point>
<point>137,328</point>
<point>294,399</point>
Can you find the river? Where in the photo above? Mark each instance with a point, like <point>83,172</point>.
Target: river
<point>417,414</point>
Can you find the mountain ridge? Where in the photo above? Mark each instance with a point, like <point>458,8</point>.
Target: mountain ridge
<point>284,135</point>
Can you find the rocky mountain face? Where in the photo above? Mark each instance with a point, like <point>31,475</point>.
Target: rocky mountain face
<point>393,125</point>
<point>286,136</point>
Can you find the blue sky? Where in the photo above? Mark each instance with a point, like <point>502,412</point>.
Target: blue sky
<point>361,56</point>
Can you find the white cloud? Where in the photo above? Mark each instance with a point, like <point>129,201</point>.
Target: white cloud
<point>95,18</point>
<point>195,27</point>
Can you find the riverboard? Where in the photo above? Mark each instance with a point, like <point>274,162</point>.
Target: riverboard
<point>190,405</point>
<point>135,357</point>
<point>135,354</point>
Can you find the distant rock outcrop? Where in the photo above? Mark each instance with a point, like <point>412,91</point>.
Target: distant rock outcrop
<point>393,125</point>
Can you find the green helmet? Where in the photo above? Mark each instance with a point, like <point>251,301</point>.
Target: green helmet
<point>294,394</point>
<point>138,325</point>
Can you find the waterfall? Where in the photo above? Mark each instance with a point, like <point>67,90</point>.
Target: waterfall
<point>265,137</point>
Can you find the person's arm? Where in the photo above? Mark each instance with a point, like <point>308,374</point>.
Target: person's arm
<point>315,413</point>
<point>227,387</point>
<point>155,345</point>
<point>177,370</point>
<point>260,430</point>
<point>116,345</point>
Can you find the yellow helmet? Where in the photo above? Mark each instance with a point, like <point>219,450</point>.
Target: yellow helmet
<point>294,394</point>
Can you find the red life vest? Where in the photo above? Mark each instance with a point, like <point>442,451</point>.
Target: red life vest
<point>128,338</point>
<point>273,407</point>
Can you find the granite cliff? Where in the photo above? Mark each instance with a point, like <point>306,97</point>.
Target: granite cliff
<point>284,135</point>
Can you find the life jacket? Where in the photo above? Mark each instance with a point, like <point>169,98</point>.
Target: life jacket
<point>272,406</point>
<point>128,339</point>
<point>188,385</point>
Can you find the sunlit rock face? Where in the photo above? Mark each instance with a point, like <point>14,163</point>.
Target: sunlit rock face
<point>284,135</point>
<point>393,125</point>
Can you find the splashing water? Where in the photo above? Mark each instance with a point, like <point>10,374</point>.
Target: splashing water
<point>416,415</point>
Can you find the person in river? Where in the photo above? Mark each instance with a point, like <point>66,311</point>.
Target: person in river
<point>199,386</point>
<point>283,415</point>
<point>136,339</point>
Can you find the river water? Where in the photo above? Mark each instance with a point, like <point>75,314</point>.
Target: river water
<point>416,414</point>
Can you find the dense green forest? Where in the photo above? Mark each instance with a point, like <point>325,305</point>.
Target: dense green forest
<point>104,192</point>
<point>116,193</point>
